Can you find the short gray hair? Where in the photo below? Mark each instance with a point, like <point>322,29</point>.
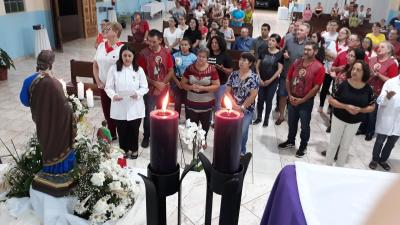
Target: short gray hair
<point>389,46</point>
<point>204,50</point>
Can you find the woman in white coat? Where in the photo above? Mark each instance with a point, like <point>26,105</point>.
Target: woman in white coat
<point>126,84</point>
<point>387,123</point>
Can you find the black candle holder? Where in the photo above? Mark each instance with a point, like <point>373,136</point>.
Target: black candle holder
<point>158,187</point>
<point>229,186</point>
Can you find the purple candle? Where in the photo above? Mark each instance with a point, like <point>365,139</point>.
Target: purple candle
<point>163,139</point>
<point>227,139</point>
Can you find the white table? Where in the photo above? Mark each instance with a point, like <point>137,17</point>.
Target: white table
<point>42,41</point>
<point>283,13</point>
<point>112,15</point>
<point>153,8</point>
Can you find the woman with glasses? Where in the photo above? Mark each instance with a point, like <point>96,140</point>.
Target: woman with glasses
<point>107,54</point>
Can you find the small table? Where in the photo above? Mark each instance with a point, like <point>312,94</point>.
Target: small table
<point>42,41</point>
<point>153,8</point>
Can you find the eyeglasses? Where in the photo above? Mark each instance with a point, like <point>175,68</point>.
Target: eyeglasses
<point>107,29</point>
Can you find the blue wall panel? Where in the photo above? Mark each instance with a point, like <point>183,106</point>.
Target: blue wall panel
<point>17,35</point>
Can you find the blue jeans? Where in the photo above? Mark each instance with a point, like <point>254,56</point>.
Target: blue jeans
<point>248,117</point>
<point>218,96</point>
<point>301,112</point>
<point>150,101</point>
<point>368,124</point>
<point>282,86</point>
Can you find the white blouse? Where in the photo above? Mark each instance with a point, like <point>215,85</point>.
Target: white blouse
<point>126,83</point>
<point>106,60</point>
<point>388,118</point>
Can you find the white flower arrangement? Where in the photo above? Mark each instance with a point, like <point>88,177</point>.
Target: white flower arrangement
<point>195,138</point>
<point>80,109</point>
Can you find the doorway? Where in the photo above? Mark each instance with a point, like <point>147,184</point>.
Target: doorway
<point>73,19</point>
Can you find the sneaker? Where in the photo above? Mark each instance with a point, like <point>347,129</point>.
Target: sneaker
<point>265,124</point>
<point>385,165</point>
<point>286,145</point>
<point>369,137</point>
<point>134,155</point>
<point>257,121</point>
<point>373,164</point>
<point>145,143</point>
<point>301,152</point>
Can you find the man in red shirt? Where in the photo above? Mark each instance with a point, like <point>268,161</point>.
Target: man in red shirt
<point>303,81</point>
<point>157,64</point>
<point>393,39</point>
<point>140,29</point>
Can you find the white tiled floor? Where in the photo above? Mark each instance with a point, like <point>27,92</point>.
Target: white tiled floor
<point>16,125</point>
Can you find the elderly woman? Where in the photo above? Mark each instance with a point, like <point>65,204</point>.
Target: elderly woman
<point>242,89</point>
<point>383,67</point>
<point>387,123</point>
<point>107,54</point>
<point>140,28</point>
<point>172,35</point>
<point>200,80</point>
<point>126,85</point>
<point>353,98</point>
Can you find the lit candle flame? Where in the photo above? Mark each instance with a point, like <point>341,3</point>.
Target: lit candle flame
<point>228,103</point>
<point>165,102</point>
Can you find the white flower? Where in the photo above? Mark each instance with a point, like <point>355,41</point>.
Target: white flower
<point>115,186</point>
<point>101,207</point>
<point>98,179</point>
<point>118,211</point>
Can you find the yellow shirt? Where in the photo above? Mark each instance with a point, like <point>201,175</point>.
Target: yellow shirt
<point>376,39</point>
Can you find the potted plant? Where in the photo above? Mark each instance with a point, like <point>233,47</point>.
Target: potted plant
<point>123,19</point>
<point>5,64</point>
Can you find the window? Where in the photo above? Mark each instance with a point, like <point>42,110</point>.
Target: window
<point>14,6</point>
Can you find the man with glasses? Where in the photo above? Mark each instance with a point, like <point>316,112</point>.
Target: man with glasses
<point>261,42</point>
<point>244,42</point>
<point>303,81</point>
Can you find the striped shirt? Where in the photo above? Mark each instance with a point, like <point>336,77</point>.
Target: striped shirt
<point>200,101</point>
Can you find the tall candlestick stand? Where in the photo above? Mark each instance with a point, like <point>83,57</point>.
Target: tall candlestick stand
<point>229,186</point>
<point>158,187</point>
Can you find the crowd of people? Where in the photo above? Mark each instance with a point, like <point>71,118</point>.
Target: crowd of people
<point>189,58</point>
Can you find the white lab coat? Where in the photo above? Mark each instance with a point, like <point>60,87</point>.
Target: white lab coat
<point>125,83</point>
<point>388,118</point>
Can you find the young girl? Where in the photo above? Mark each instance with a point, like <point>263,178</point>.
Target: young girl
<point>126,84</point>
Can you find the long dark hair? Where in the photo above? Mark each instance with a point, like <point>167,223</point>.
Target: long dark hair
<point>360,55</point>
<point>120,62</point>
<point>221,43</point>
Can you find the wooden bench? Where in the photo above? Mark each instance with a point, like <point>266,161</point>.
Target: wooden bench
<point>235,55</point>
<point>81,69</point>
<point>236,30</point>
<point>319,24</point>
<point>137,46</point>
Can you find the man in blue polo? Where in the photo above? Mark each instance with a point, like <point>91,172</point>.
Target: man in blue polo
<point>244,42</point>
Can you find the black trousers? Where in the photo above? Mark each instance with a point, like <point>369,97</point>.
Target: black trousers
<point>266,96</point>
<point>200,117</point>
<point>382,152</point>
<point>128,134</point>
<point>325,90</point>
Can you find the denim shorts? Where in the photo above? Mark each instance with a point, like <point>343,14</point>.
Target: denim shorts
<point>282,87</point>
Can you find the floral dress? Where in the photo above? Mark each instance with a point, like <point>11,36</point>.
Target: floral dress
<point>241,88</point>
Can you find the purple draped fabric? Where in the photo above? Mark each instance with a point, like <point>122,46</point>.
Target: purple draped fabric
<point>284,207</point>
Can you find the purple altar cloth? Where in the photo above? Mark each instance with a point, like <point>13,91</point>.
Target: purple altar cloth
<point>284,207</point>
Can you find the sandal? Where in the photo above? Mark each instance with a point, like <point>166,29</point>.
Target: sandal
<point>279,121</point>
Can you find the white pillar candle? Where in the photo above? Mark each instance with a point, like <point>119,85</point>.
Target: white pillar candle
<point>64,85</point>
<point>81,91</point>
<point>89,98</point>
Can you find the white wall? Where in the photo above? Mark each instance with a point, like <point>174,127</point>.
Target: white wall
<point>30,5</point>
